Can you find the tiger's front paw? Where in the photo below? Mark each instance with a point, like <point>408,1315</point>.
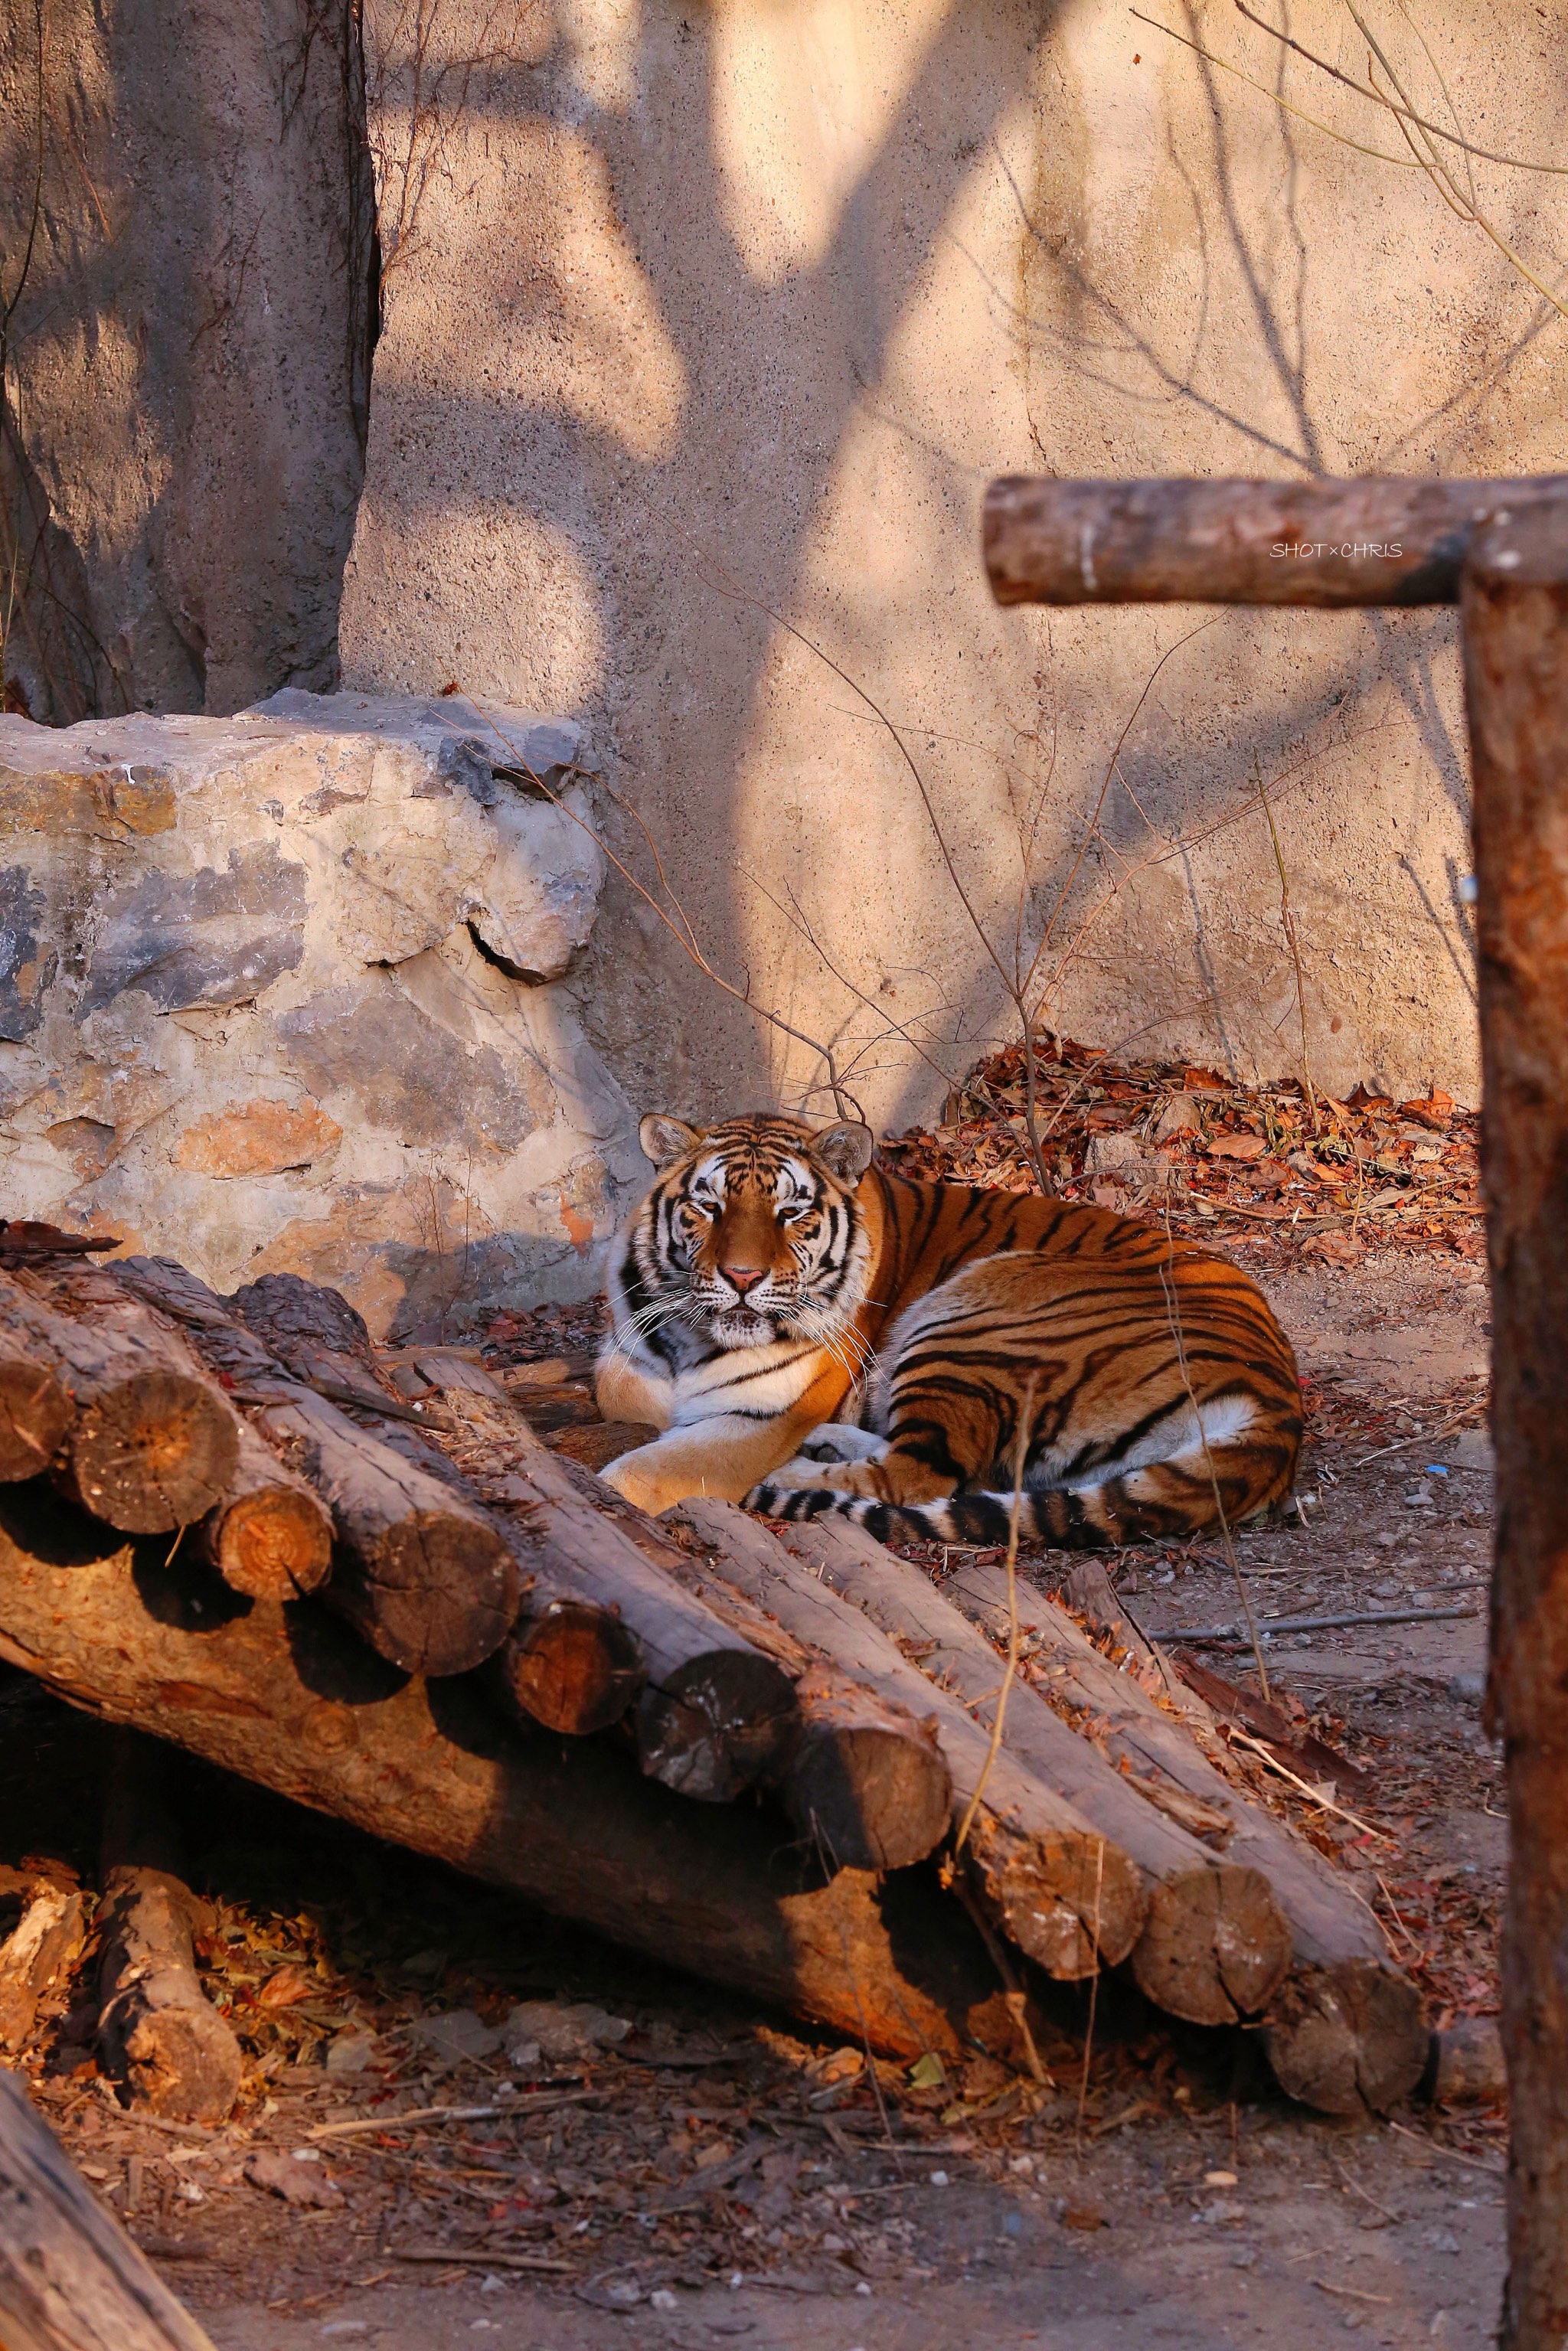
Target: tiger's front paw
<point>639,1477</point>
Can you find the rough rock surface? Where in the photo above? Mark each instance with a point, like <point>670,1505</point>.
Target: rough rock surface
<point>282,993</point>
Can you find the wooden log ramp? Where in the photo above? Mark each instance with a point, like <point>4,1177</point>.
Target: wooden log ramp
<point>1345,2030</point>
<point>464,1641</point>
<point>284,1694</point>
<point>423,1574</point>
<point>1051,1879</point>
<point>1213,1944</point>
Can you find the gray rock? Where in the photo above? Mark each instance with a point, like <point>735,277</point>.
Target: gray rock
<point>1468,2066</point>
<point>459,2034</point>
<point>26,969</point>
<point>1471,1450</point>
<point>1124,1157</point>
<point>1180,1115</point>
<point>200,938</point>
<point>281,994</point>
<point>562,2029</point>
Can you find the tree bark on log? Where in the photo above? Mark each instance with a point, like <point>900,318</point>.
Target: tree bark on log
<point>1345,2030</point>
<point>1214,1945</point>
<point>424,1578</point>
<point>45,1942</point>
<point>35,1415</point>
<point>1050,1879</point>
<point>864,1779</point>
<point>152,1443</point>
<point>284,1696</point>
<point>715,1712</point>
<point>1516,684</point>
<point>712,1711</point>
<point>159,2035</point>
<point>70,2278</point>
<point>422,1574</point>
<point>1368,541</point>
<point>1088,1591</point>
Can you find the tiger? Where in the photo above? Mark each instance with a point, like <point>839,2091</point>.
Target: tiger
<point>808,1333</point>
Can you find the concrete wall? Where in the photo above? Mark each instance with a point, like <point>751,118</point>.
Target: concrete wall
<point>706,324</point>
<point>188,231</point>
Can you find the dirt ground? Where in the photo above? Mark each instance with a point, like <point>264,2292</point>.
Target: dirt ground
<point>717,2177</point>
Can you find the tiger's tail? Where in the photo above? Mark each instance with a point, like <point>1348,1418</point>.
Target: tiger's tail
<point>1167,1499</point>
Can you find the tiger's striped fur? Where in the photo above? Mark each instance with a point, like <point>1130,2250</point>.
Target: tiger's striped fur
<point>773,1290</point>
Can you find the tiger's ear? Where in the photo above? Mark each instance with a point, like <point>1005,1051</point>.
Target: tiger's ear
<point>665,1140</point>
<point>845,1150</point>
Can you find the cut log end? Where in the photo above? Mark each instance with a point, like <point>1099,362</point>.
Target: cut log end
<point>1347,2038</point>
<point>717,1723</point>
<point>437,1594</point>
<point>178,2060</point>
<point>574,1667</point>
<point>274,1543</point>
<point>865,1784</point>
<point>1071,1902</point>
<point>34,1414</point>
<point>1215,1947</point>
<point>154,1451</point>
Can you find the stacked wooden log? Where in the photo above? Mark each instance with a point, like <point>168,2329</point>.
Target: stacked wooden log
<point>773,1761</point>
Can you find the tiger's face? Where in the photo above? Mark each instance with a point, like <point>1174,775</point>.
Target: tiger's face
<point>751,1232</point>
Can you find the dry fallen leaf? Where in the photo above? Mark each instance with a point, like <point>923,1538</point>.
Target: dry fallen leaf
<point>284,1988</point>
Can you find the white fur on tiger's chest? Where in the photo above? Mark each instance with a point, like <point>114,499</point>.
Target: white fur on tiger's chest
<point>759,1382</point>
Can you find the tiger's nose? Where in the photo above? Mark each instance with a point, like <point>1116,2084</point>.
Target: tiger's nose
<point>743,1277</point>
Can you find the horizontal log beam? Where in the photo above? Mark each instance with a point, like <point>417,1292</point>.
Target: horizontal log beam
<point>1373,540</point>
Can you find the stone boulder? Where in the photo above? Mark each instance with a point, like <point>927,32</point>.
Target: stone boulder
<point>284,992</point>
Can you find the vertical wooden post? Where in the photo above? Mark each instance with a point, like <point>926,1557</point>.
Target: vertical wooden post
<point>1515,605</point>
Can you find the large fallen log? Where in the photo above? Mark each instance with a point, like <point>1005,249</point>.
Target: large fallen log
<point>290,1700</point>
<point>152,1445</point>
<point>1214,1945</point>
<point>864,1780</point>
<point>1344,2031</point>
<point>424,1576</point>
<point>1049,1877</point>
<point>70,2278</point>
<point>161,2037</point>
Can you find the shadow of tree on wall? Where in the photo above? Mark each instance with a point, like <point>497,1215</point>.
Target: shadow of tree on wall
<point>778,368</point>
